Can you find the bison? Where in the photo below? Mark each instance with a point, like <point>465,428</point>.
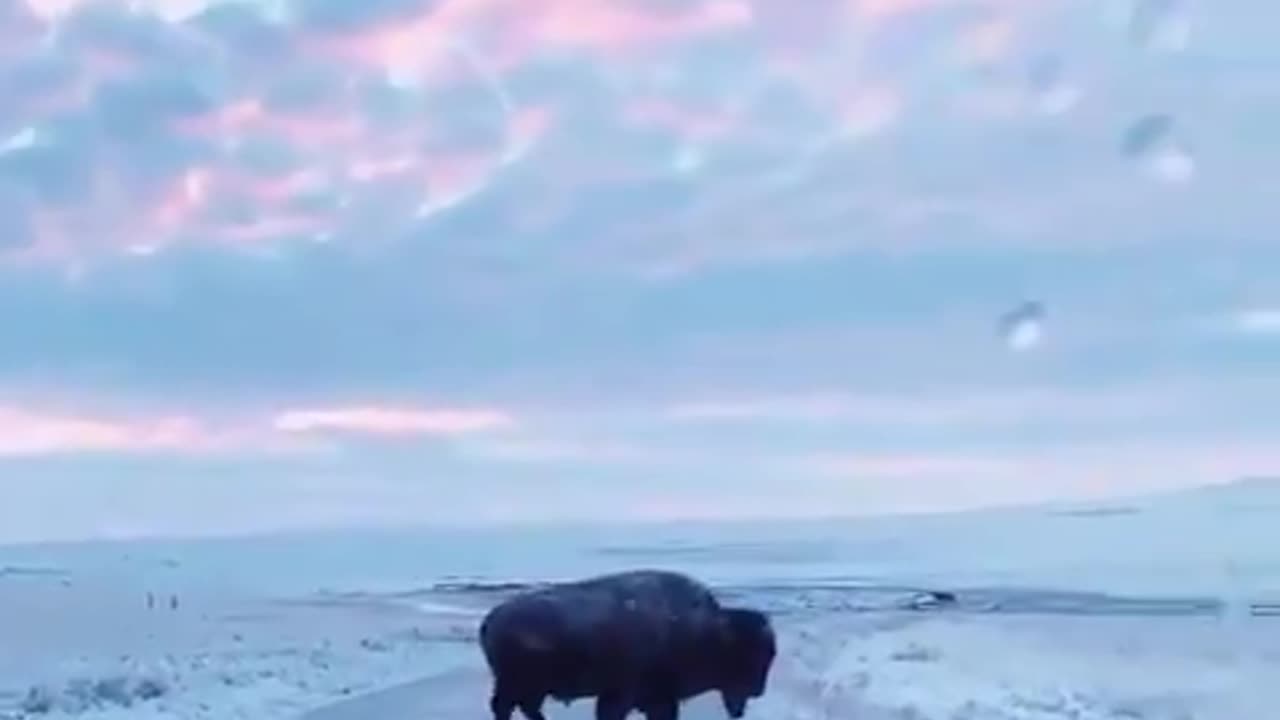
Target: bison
<point>642,640</point>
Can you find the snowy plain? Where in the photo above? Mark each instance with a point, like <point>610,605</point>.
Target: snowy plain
<point>1154,608</point>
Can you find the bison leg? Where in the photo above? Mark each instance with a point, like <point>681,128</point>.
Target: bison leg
<point>501,705</point>
<point>666,709</point>
<point>612,706</point>
<point>506,699</point>
<point>532,708</point>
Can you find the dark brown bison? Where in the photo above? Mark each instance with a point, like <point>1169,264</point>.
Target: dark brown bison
<point>639,640</point>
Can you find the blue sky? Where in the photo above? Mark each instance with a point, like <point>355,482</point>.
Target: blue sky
<point>273,265</point>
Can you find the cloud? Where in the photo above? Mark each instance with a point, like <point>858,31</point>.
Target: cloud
<point>656,479</point>
<point>818,452</point>
<point>240,125</point>
<point>701,243</point>
<point>973,467</point>
<point>563,450</point>
<point>950,408</point>
<point>1257,321</point>
<point>814,407</point>
<point>808,455</point>
<point>25,432</point>
<point>392,421</point>
<point>950,480</point>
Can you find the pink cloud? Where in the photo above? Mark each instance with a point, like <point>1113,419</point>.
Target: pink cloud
<point>912,465</point>
<point>703,481</point>
<point>392,421</point>
<point>832,406</point>
<point>340,149</point>
<point>616,26</point>
<point>30,432</point>
<point>870,110</point>
<point>551,450</point>
<point>951,480</point>
<point>959,408</point>
<point>340,155</point>
<point>30,428</point>
<point>989,40</point>
<point>884,10</point>
<point>519,30</point>
<point>689,122</point>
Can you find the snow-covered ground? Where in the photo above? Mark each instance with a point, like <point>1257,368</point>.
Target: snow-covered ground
<point>98,650</point>
<point>362,625</point>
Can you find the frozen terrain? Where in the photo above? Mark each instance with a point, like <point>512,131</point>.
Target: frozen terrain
<point>1156,608</point>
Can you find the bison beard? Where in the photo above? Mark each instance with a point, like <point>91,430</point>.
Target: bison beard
<point>644,640</point>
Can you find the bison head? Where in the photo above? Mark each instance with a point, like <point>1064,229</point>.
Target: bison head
<point>747,649</point>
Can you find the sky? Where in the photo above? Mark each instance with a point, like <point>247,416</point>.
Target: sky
<point>272,265</point>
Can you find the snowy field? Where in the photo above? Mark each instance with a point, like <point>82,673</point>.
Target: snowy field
<point>1133,611</point>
